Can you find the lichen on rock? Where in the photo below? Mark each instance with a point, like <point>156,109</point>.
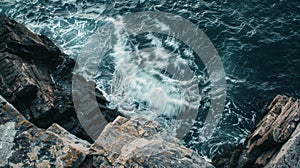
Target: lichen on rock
<point>274,143</point>
<point>140,143</point>
<point>7,135</point>
<point>26,145</point>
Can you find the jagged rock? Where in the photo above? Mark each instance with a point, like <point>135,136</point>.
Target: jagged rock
<point>288,156</point>
<point>274,143</point>
<point>24,145</point>
<point>18,40</point>
<point>123,143</point>
<point>31,71</point>
<point>36,78</point>
<point>271,133</point>
<point>142,143</point>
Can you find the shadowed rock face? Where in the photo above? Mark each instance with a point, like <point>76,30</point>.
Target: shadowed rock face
<point>18,40</point>
<point>274,143</point>
<point>36,77</point>
<point>288,155</point>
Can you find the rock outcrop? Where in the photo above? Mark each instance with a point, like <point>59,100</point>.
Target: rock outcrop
<point>142,143</point>
<point>274,143</point>
<point>35,82</point>
<point>39,126</point>
<point>25,145</point>
<point>123,143</point>
<point>288,155</point>
<point>36,77</point>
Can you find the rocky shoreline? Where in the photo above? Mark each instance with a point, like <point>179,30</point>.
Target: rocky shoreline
<point>274,143</point>
<point>39,126</point>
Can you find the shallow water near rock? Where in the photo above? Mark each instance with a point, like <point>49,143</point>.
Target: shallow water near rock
<point>258,43</point>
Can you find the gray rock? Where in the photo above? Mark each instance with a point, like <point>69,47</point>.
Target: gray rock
<point>7,135</point>
<point>275,138</point>
<point>36,77</point>
<point>142,143</point>
<point>288,156</point>
<point>272,132</point>
<point>123,143</point>
<point>274,142</point>
<point>24,145</point>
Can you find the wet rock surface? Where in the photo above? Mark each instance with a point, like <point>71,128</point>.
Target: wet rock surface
<point>274,142</point>
<point>36,78</point>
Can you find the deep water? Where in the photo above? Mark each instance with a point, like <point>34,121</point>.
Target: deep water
<point>258,42</point>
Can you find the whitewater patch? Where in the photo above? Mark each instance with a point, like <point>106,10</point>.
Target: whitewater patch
<point>148,82</point>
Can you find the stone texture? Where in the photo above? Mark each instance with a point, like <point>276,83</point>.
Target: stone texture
<point>142,143</point>
<point>123,143</point>
<point>36,77</point>
<point>288,156</point>
<point>274,142</point>
<point>22,42</point>
<point>271,132</point>
<point>24,145</point>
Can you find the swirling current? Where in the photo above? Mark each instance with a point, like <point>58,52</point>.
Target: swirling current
<point>258,42</point>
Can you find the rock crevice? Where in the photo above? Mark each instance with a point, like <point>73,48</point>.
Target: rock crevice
<point>273,143</point>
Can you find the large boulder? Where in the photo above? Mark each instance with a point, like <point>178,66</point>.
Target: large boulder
<point>25,145</point>
<point>271,133</point>
<point>142,143</point>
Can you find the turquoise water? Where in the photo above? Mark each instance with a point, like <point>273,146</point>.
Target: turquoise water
<point>258,42</point>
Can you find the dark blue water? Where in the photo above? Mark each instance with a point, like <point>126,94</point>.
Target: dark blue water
<point>258,42</point>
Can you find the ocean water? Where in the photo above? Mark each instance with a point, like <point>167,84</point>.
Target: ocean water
<point>258,42</point>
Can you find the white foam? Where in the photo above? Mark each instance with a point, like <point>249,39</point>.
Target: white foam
<point>150,82</point>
